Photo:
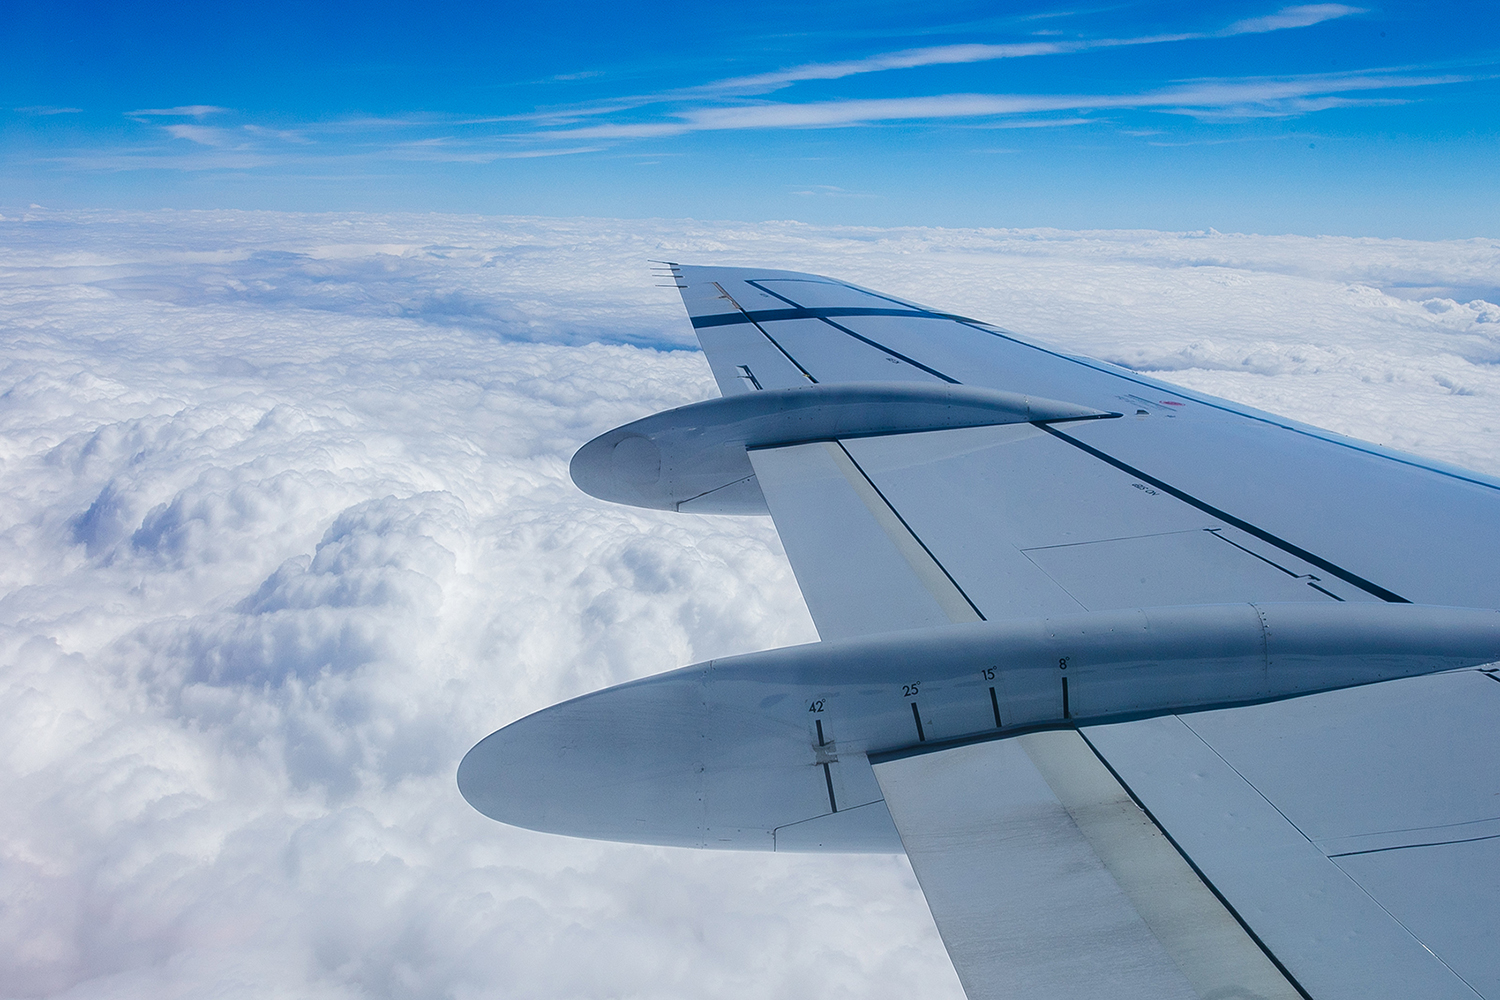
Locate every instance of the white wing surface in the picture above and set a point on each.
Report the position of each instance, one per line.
(1164, 696)
(1356, 833)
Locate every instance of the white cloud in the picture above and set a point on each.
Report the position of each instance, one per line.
(285, 526)
(530, 154)
(204, 135)
(285, 135)
(936, 55)
(1227, 98)
(1300, 16)
(830, 191)
(182, 111)
(973, 52)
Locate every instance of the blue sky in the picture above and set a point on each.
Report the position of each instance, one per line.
(1356, 119)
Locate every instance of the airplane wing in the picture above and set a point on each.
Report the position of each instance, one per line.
(1162, 696)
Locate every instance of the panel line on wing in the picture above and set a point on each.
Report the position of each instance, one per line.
(1307, 578)
(1245, 846)
(1203, 878)
(1028, 847)
(821, 315)
(944, 589)
(805, 373)
(1216, 954)
(1303, 833)
(1408, 847)
(1219, 534)
(1186, 721)
(1367, 586)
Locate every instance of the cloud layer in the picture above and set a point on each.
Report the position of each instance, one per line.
(286, 527)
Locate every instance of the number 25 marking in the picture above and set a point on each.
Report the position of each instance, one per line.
(908, 690)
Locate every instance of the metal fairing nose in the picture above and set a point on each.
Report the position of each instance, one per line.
(771, 750)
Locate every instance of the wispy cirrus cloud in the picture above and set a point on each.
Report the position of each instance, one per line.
(184, 111)
(937, 55)
(529, 154)
(1246, 98)
(205, 135)
(1300, 16)
(830, 191)
(285, 135)
(476, 140)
